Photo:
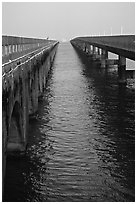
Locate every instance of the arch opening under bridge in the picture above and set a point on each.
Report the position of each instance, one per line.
(15, 141)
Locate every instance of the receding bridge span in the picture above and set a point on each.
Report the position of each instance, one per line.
(25, 66)
(97, 48)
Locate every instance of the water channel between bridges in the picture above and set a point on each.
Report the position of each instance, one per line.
(81, 141)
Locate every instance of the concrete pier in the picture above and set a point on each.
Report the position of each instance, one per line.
(122, 70)
(103, 59)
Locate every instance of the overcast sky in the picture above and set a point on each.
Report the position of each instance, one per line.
(67, 20)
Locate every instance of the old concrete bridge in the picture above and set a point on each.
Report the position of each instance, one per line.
(97, 49)
(25, 66)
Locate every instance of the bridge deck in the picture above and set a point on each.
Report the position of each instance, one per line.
(123, 45)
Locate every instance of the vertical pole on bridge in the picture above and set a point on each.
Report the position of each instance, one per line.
(122, 70)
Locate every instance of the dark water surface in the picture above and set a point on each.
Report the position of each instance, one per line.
(81, 143)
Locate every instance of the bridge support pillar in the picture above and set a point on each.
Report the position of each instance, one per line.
(98, 56)
(85, 48)
(93, 52)
(91, 49)
(104, 56)
(88, 49)
(122, 70)
(98, 51)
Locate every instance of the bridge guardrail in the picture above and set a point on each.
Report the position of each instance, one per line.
(120, 44)
(14, 47)
(10, 66)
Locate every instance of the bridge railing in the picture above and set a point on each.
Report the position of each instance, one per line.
(14, 47)
(125, 41)
(122, 45)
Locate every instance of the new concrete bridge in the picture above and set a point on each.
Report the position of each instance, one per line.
(25, 66)
(97, 49)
